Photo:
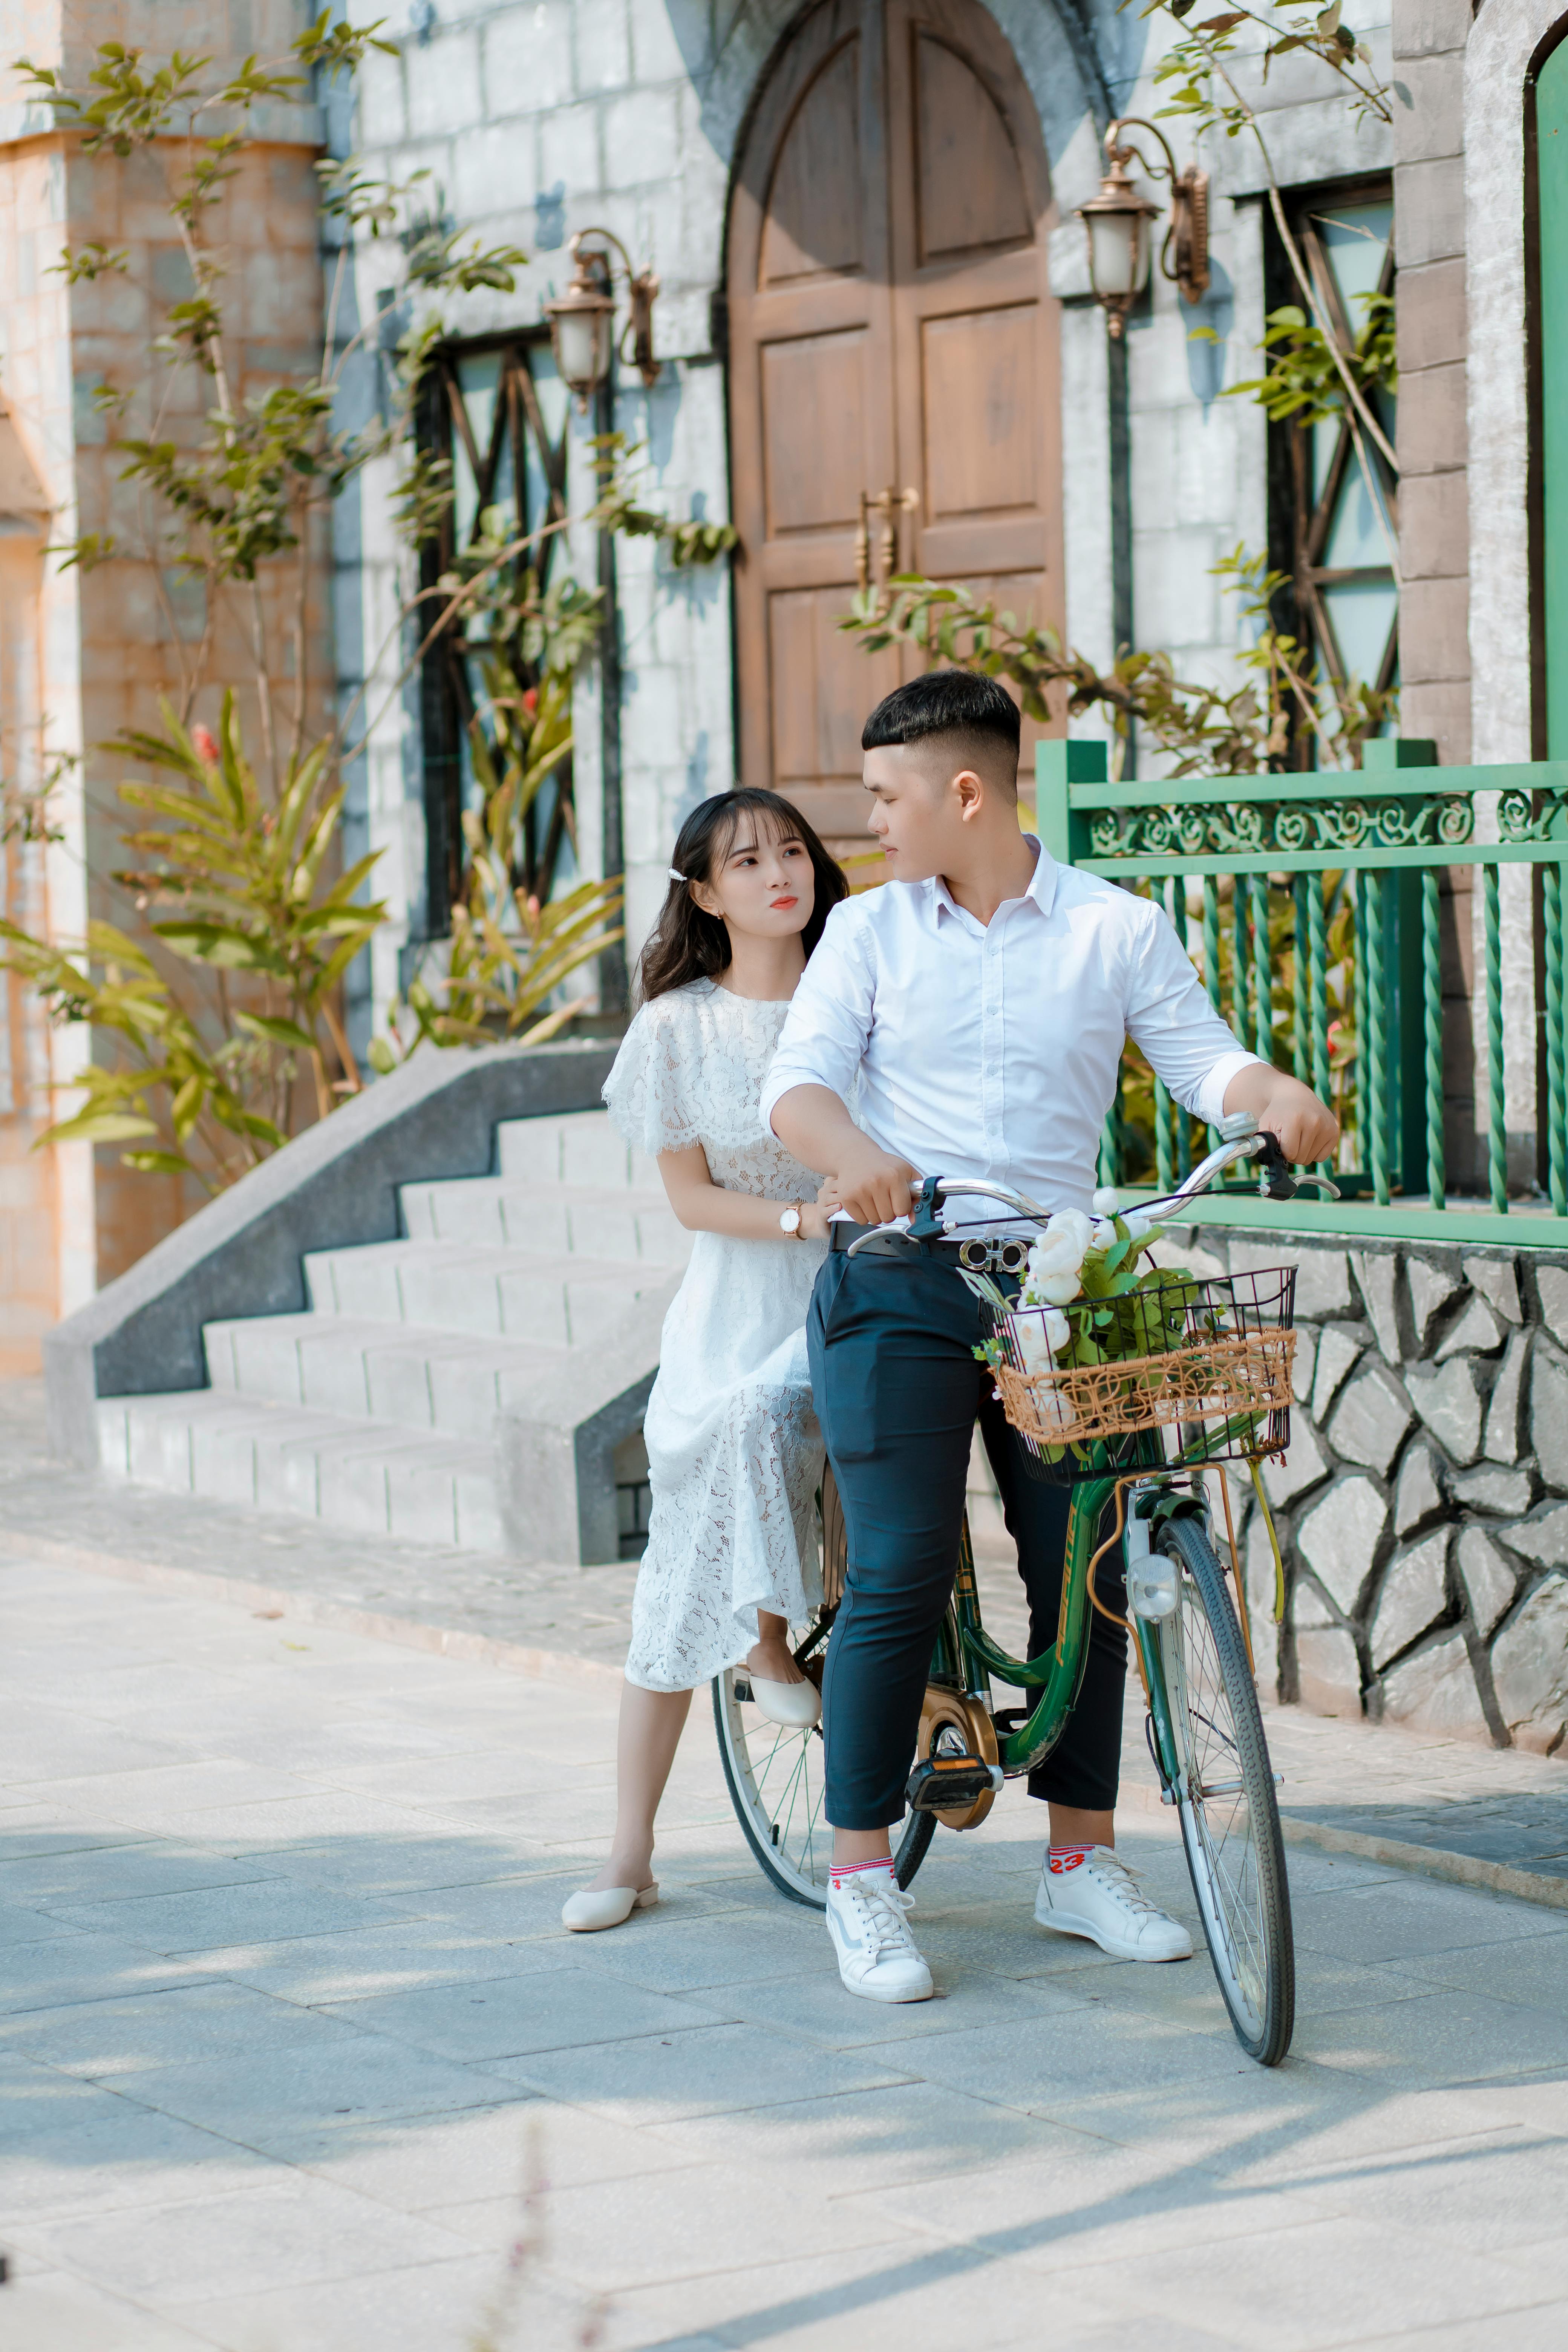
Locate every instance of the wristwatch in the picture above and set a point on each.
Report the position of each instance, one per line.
(789, 1221)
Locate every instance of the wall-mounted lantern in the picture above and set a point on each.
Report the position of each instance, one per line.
(1118, 224)
(581, 320)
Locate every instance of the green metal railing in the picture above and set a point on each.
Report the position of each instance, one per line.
(1261, 847)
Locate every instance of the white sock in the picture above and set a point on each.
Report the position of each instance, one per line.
(872, 1873)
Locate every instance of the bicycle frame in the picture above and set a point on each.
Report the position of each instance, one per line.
(966, 1653)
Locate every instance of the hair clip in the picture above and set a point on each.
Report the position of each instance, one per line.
(673, 875)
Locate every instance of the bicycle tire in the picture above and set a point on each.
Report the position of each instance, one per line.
(774, 1775)
(1230, 1821)
(775, 1779)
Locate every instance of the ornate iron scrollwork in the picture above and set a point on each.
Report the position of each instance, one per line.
(1242, 827)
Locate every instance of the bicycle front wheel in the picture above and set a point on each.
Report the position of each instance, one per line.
(1224, 1794)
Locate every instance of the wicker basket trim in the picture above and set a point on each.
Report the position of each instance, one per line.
(1218, 1380)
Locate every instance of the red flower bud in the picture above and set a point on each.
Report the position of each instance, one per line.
(204, 743)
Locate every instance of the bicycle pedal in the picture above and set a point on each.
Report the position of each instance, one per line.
(944, 1783)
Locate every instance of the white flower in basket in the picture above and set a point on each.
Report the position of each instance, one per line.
(1056, 1261)
(1038, 1333)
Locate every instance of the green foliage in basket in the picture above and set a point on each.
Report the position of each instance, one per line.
(1127, 1308)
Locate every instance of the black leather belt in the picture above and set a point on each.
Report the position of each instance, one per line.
(975, 1253)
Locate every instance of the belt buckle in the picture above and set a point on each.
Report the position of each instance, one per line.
(993, 1256)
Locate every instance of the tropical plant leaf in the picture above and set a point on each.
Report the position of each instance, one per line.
(279, 1030)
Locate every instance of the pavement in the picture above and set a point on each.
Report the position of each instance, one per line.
(1448, 1808)
(294, 2056)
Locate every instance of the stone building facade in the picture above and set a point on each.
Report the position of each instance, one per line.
(537, 119)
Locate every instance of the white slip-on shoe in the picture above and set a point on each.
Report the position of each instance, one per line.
(877, 1955)
(605, 1906)
(1099, 1897)
(798, 1705)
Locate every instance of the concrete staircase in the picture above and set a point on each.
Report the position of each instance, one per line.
(478, 1383)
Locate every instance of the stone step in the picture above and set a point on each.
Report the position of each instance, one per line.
(547, 1219)
(368, 1477)
(476, 1385)
(582, 1148)
(360, 1369)
(559, 1302)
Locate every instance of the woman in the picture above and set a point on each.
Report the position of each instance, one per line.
(734, 1453)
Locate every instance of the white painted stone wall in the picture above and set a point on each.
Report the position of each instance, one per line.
(539, 119)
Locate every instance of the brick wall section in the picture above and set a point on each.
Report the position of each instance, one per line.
(110, 642)
(1429, 233)
(1429, 38)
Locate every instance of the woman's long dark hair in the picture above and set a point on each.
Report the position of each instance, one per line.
(687, 944)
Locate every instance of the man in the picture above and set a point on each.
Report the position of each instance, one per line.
(980, 1000)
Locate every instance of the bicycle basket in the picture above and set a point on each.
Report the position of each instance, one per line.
(1196, 1372)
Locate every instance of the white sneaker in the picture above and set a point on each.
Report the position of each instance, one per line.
(1099, 1897)
(877, 1955)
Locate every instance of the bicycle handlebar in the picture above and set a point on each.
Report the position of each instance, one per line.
(1242, 1140)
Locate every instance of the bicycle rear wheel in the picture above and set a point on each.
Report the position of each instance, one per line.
(774, 1776)
(1226, 1801)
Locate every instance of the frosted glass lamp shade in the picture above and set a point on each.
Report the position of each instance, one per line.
(581, 328)
(1118, 253)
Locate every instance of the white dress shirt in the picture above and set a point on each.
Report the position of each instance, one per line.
(991, 1051)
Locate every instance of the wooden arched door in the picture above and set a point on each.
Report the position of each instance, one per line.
(891, 329)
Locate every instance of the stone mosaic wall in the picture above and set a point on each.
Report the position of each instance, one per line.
(1423, 1506)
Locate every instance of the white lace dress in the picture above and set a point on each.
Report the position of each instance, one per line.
(734, 1453)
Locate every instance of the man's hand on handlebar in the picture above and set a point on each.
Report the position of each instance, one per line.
(873, 1185)
(1306, 1129)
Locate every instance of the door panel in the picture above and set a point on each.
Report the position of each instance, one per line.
(811, 386)
(823, 686)
(980, 366)
(969, 190)
(975, 322)
(814, 430)
(890, 328)
(813, 220)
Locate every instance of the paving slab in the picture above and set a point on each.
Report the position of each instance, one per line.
(1449, 1808)
(280, 2094)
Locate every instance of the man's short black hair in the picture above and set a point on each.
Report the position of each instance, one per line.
(977, 712)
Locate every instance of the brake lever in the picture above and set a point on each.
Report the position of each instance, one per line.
(926, 1224)
(1319, 1184)
(1276, 1182)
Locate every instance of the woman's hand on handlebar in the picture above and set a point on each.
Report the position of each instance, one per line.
(1306, 1129)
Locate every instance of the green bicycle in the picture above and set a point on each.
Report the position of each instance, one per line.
(1205, 1728)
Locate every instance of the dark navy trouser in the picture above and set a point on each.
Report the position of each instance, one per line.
(898, 1391)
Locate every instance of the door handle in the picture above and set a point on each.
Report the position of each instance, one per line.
(889, 504)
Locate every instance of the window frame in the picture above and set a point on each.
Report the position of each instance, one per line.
(447, 704)
(1299, 525)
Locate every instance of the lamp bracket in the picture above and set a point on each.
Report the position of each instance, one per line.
(642, 289)
(1187, 266)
